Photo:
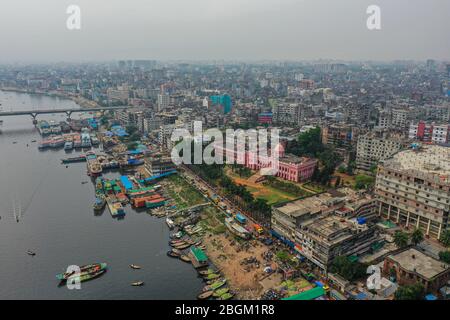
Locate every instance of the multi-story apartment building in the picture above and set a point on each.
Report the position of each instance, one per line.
(429, 132)
(342, 137)
(384, 120)
(160, 165)
(152, 124)
(129, 117)
(413, 189)
(121, 94)
(163, 102)
(287, 113)
(375, 146)
(330, 237)
(400, 118)
(319, 229)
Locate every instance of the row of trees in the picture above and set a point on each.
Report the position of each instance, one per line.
(214, 174)
(285, 186)
(402, 239)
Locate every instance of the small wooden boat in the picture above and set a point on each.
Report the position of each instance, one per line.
(92, 275)
(33, 141)
(219, 292)
(211, 276)
(31, 253)
(133, 266)
(215, 285)
(206, 272)
(176, 243)
(177, 251)
(86, 269)
(99, 203)
(137, 283)
(170, 223)
(226, 296)
(173, 254)
(185, 258)
(182, 247)
(205, 295)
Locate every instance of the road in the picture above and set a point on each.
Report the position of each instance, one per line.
(230, 205)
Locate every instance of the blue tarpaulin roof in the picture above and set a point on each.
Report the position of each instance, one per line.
(361, 296)
(430, 297)
(158, 176)
(135, 152)
(126, 182)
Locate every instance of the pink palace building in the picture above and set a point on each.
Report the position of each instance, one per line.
(290, 167)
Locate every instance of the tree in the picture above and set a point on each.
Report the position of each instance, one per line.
(350, 168)
(401, 239)
(417, 237)
(444, 256)
(410, 292)
(445, 238)
(337, 182)
(282, 256)
(350, 270)
(363, 182)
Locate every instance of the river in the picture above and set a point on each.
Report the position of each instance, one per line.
(58, 223)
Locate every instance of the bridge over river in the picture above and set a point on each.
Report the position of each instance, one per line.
(68, 111)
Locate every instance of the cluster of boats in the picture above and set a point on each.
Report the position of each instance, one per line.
(182, 244)
(215, 288)
(180, 241)
(91, 271)
(47, 128)
(69, 141)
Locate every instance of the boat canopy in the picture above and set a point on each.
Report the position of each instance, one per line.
(199, 255)
(311, 294)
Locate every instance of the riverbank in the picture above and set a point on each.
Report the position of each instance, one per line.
(241, 262)
(81, 101)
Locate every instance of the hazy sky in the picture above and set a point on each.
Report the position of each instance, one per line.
(35, 30)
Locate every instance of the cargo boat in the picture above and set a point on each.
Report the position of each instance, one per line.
(115, 207)
(74, 159)
(99, 203)
(236, 229)
(54, 142)
(87, 269)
